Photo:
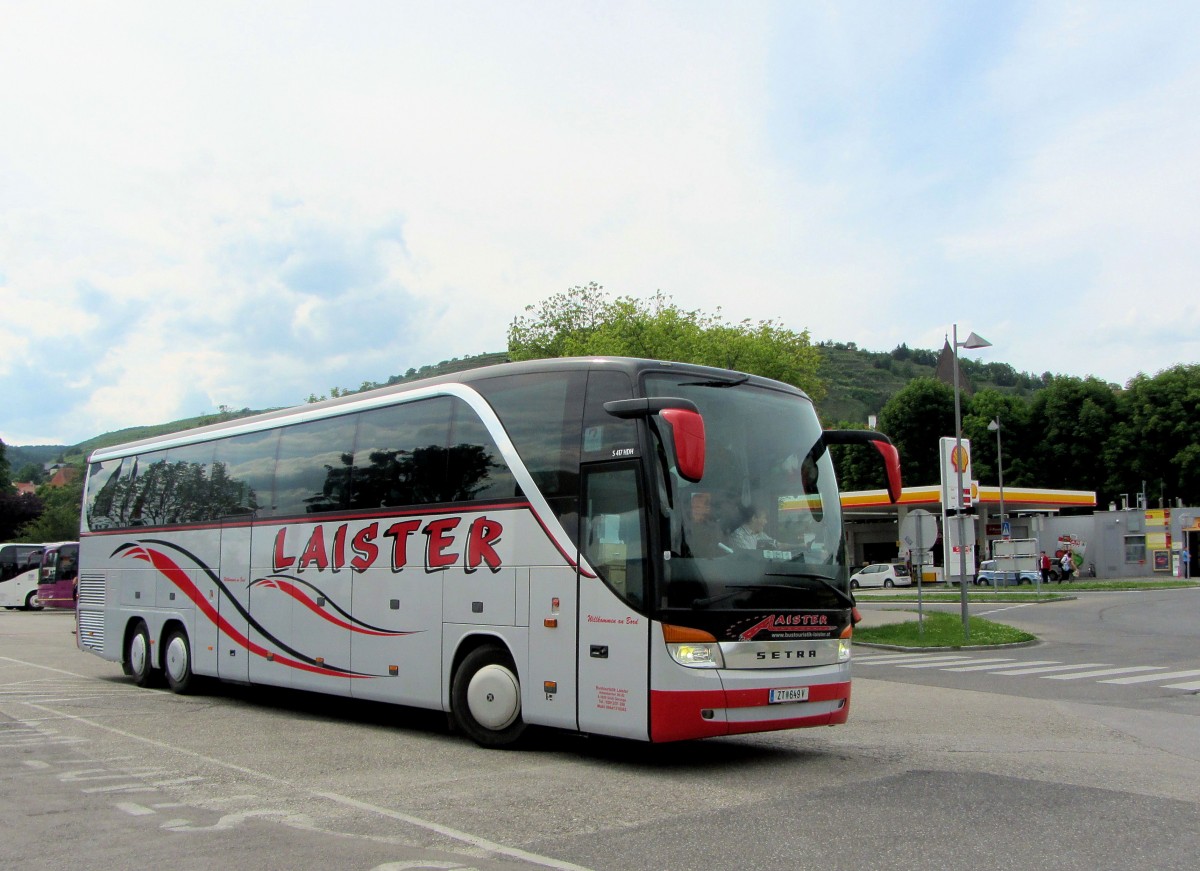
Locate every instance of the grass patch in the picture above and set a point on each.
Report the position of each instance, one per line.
(945, 597)
(1050, 592)
(941, 630)
(1121, 585)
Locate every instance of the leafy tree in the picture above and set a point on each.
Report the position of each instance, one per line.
(1071, 421)
(916, 419)
(1157, 440)
(1013, 413)
(5, 479)
(584, 321)
(31, 473)
(59, 519)
(16, 510)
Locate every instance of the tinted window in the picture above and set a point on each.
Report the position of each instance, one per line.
(242, 473)
(400, 458)
(149, 492)
(543, 416)
(313, 472)
(475, 469)
(187, 480)
(102, 508)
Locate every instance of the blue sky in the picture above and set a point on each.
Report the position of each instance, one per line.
(240, 204)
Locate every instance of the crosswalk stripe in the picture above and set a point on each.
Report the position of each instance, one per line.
(1143, 678)
(1195, 685)
(1104, 672)
(1049, 668)
(980, 666)
(889, 659)
(941, 663)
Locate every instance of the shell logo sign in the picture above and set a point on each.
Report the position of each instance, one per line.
(960, 460)
(956, 460)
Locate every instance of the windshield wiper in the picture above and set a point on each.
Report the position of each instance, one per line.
(733, 383)
(838, 591)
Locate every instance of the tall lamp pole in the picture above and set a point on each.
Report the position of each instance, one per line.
(994, 426)
(972, 341)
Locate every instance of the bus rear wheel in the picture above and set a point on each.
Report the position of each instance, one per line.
(137, 656)
(485, 697)
(31, 602)
(177, 662)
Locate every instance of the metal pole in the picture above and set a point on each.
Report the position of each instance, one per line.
(1000, 473)
(958, 464)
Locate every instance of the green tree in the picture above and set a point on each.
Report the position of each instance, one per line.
(5, 471)
(31, 473)
(59, 520)
(1156, 439)
(1013, 413)
(584, 321)
(1070, 423)
(916, 419)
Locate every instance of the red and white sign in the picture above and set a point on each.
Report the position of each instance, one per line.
(956, 461)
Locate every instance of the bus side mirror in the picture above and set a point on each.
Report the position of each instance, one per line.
(687, 429)
(683, 419)
(883, 444)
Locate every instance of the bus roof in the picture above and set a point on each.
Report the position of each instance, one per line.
(329, 407)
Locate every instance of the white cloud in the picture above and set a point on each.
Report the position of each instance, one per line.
(243, 204)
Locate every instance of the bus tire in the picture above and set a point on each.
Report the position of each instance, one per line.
(177, 662)
(31, 602)
(137, 656)
(485, 697)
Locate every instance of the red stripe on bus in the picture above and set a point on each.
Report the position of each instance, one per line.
(177, 576)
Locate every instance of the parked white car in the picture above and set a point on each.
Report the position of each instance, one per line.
(21, 592)
(881, 575)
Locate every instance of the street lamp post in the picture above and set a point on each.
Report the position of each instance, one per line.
(994, 426)
(972, 341)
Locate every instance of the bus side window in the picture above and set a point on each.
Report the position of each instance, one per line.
(243, 472)
(614, 538)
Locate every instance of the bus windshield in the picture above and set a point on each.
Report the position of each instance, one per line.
(762, 529)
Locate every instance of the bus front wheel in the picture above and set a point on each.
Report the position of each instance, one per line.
(485, 697)
(31, 602)
(177, 662)
(137, 656)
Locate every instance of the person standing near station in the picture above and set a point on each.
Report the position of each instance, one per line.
(1067, 565)
(1044, 565)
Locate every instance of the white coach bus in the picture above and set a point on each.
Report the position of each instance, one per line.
(620, 547)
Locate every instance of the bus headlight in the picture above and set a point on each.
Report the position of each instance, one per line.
(694, 648)
(843, 650)
(695, 655)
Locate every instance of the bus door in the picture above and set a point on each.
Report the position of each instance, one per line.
(613, 646)
(233, 659)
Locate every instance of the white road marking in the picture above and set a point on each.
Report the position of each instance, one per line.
(1105, 672)
(1051, 668)
(1144, 678)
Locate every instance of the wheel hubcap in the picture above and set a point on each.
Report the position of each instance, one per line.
(177, 664)
(494, 697)
(137, 653)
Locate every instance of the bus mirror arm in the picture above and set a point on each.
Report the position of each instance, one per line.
(883, 444)
(683, 419)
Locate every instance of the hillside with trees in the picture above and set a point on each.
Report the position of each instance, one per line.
(1057, 431)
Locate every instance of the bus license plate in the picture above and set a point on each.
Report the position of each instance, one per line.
(790, 694)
